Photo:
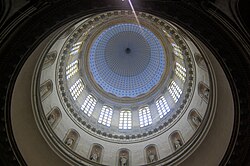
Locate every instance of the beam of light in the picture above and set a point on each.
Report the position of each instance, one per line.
(133, 10)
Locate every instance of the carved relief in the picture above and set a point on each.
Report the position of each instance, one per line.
(200, 61)
(194, 119)
(123, 158)
(176, 140)
(72, 138)
(49, 59)
(54, 117)
(46, 89)
(203, 91)
(151, 154)
(96, 153)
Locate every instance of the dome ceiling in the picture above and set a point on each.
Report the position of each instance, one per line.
(120, 82)
(72, 119)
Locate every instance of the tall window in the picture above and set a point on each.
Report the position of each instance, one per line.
(145, 117)
(89, 105)
(76, 89)
(162, 106)
(177, 51)
(180, 71)
(75, 49)
(105, 116)
(71, 69)
(125, 120)
(175, 91)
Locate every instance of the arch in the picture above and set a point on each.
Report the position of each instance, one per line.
(200, 61)
(105, 116)
(96, 153)
(176, 140)
(124, 158)
(151, 153)
(125, 120)
(49, 59)
(71, 69)
(54, 117)
(180, 71)
(76, 89)
(162, 106)
(71, 138)
(194, 118)
(175, 91)
(145, 118)
(89, 105)
(203, 91)
(46, 89)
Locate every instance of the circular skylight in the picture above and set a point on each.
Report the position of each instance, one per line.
(127, 60)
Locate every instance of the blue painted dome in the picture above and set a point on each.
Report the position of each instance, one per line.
(127, 60)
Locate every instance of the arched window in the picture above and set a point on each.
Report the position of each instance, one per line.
(162, 106)
(89, 105)
(76, 89)
(71, 69)
(145, 117)
(180, 71)
(125, 121)
(175, 91)
(75, 49)
(177, 50)
(105, 116)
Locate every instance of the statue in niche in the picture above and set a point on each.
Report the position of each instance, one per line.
(123, 160)
(203, 91)
(95, 155)
(69, 142)
(177, 143)
(54, 117)
(196, 120)
(151, 153)
(200, 61)
(49, 59)
(51, 119)
(45, 89)
(206, 93)
(151, 156)
(175, 140)
(72, 138)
